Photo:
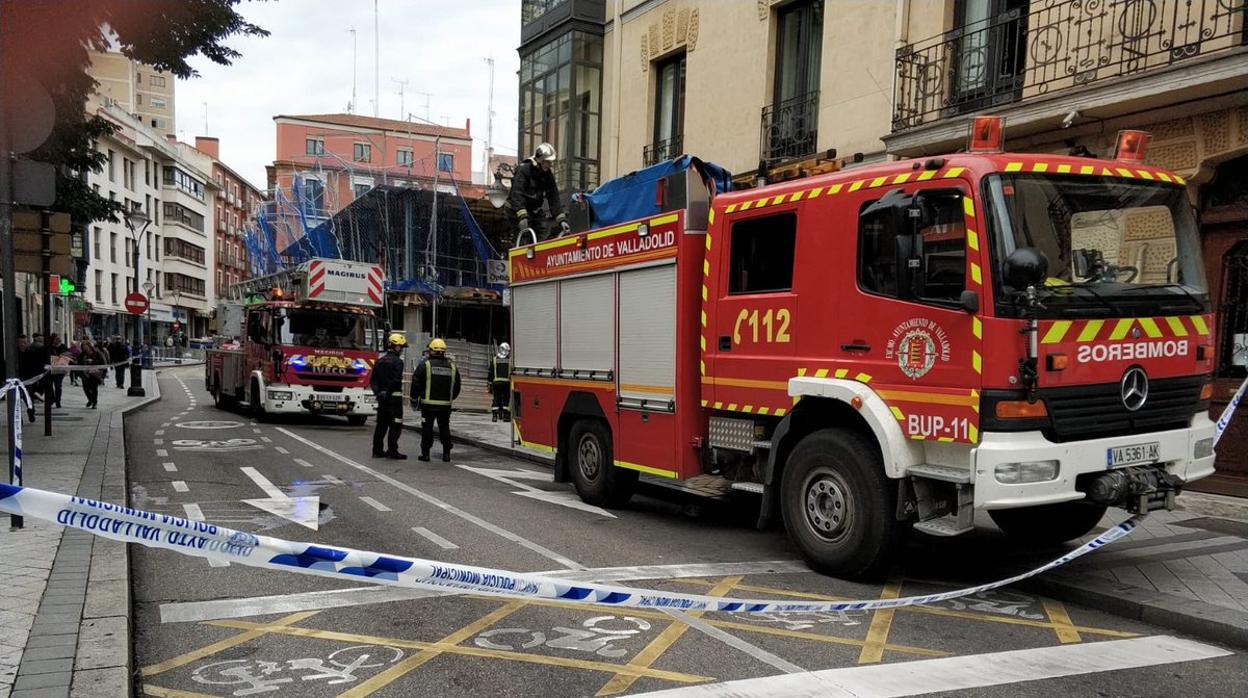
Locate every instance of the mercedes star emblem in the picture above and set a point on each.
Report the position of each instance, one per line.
(1134, 388)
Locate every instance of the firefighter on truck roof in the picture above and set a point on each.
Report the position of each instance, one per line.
(387, 384)
(435, 385)
(533, 184)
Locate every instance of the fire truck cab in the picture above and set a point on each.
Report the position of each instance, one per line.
(301, 341)
(879, 348)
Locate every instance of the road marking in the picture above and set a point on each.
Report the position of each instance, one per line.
(194, 513)
(255, 431)
(435, 538)
(180, 486)
(158, 442)
(304, 511)
(281, 450)
(303, 462)
(162, 453)
(565, 499)
(227, 643)
(193, 611)
(444, 506)
(329, 478)
(881, 623)
(160, 432)
(950, 674)
(266, 439)
(1065, 629)
(170, 467)
(375, 504)
(164, 424)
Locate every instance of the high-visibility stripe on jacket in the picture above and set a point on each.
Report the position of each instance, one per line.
(440, 379)
(500, 371)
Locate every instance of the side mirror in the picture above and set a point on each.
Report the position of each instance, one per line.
(1026, 266)
(969, 300)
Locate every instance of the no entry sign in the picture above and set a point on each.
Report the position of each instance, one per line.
(136, 303)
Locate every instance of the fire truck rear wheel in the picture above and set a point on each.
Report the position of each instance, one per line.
(598, 481)
(1049, 524)
(838, 505)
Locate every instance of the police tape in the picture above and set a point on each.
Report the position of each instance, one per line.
(1225, 419)
(207, 540)
(17, 387)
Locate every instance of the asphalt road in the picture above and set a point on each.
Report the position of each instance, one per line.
(238, 631)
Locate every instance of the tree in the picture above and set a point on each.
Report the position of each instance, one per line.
(50, 40)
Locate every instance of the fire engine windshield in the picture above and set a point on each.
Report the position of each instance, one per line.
(323, 329)
(1115, 248)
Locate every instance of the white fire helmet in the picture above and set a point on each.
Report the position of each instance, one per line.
(544, 151)
(504, 350)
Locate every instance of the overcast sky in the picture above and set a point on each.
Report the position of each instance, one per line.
(304, 67)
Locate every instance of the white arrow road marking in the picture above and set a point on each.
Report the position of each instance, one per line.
(563, 499)
(304, 511)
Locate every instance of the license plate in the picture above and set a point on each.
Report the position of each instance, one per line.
(1135, 453)
(329, 398)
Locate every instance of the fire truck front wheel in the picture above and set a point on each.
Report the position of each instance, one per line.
(598, 481)
(1049, 524)
(838, 505)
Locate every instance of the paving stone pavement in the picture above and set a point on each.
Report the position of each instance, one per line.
(64, 612)
(1192, 561)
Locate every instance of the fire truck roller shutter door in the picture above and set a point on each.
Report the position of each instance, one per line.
(587, 323)
(899, 452)
(533, 317)
(648, 333)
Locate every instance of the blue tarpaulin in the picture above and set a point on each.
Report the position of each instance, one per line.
(631, 197)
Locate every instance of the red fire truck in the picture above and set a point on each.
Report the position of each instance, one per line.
(881, 348)
(300, 341)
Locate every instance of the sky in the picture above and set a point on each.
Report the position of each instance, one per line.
(305, 67)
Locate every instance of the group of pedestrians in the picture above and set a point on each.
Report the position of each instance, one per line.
(37, 356)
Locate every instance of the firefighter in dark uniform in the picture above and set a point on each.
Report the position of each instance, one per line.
(387, 384)
(435, 385)
(533, 184)
(500, 383)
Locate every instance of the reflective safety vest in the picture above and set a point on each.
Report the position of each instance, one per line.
(439, 382)
(501, 370)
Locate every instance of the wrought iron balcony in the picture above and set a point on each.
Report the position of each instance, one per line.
(1056, 45)
(664, 150)
(790, 128)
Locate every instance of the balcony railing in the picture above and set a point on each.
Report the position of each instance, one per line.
(661, 151)
(790, 128)
(1055, 45)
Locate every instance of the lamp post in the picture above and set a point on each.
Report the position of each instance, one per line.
(137, 221)
(148, 287)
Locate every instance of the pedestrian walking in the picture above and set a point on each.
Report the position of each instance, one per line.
(59, 356)
(435, 385)
(118, 355)
(500, 383)
(387, 385)
(94, 360)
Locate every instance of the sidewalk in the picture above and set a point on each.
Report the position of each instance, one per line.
(1185, 569)
(65, 595)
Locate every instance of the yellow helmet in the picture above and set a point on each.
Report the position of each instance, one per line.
(437, 346)
(396, 339)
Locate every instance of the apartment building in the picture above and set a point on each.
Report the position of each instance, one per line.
(236, 204)
(188, 197)
(136, 88)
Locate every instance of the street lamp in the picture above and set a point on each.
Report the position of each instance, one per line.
(148, 286)
(496, 194)
(137, 221)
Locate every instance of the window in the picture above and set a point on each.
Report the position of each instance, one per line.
(446, 162)
(129, 252)
(363, 152)
(177, 213)
(99, 286)
(139, 99)
(158, 102)
(157, 246)
(405, 157)
(95, 241)
(114, 289)
(129, 285)
(184, 250)
(761, 256)
(790, 123)
(184, 284)
(988, 52)
(156, 81)
(175, 177)
(361, 189)
(112, 166)
(112, 247)
(669, 102)
(314, 146)
(313, 197)
(560, 103)
(937, 254)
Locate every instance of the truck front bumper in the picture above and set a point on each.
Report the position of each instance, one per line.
(295, 399)
(1180, 453)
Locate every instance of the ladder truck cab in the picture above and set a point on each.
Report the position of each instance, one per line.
(881, 348)
(301, 341)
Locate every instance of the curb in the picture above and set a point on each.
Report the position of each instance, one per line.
(1189, 616)
(492, 448)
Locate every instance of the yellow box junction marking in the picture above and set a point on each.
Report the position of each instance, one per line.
(1066, 632)
(254, 633)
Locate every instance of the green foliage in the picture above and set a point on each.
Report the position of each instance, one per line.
(50, 40)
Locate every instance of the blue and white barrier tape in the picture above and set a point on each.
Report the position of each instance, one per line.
(202, 539)
(1225, 420)
(15, 385)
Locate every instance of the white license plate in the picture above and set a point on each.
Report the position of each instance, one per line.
(329, 398)
(1135, 453)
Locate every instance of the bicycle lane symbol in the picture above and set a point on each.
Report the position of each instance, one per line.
(260, 676)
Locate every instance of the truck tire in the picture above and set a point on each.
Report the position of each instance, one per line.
(598, 481)
(255, 400)
(838, 505)
(1049, 524)
(357, 420)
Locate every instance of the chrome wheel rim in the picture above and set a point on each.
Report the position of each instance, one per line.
(589, 457)
(827, 509)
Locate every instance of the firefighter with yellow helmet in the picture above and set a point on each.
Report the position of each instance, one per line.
(435, 385)
(387, 385)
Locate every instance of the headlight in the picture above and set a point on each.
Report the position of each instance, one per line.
(281, 395)
(1203, 449)
(368, 399)
(1030, 471)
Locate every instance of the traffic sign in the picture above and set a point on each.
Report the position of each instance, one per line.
(136, 303)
